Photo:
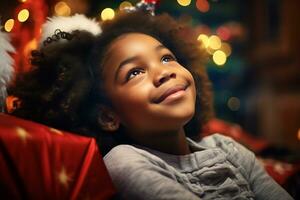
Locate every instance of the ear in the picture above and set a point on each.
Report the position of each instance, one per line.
(108, 119)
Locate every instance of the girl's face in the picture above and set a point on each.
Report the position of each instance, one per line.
(149, 90)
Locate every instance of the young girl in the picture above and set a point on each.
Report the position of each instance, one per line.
(140, 87)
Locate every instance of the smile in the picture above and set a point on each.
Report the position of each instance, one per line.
(172, 93)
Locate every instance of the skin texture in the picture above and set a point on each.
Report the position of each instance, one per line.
(148, 87)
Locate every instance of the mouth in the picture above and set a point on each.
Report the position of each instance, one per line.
(177, 89)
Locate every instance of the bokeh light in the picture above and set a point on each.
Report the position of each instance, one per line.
(9, 24)
(219, 57)
(12, 103)
(62, 9)
(31, 45)
(226, 48)
(125, 4)
(107, 14)
(224, 33)
(202, 5)
(23, 15)
(210, 50)
(214, 42)
(22, 1)
(184, 2)
(203, 39)
(234, 103)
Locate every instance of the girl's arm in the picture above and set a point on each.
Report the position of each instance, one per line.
(136, 177)
(262, 185)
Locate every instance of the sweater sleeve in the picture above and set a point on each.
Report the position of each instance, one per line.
(138, 177)
(262, 185)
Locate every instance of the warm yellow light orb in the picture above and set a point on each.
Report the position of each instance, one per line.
(184, 2)
(9, 24)
(210, 50)
(226, 48)
(125, 4)
(204, 39)
(23, 15)
(107, 14)
(219, 57)
(62, 9)
(214, 42)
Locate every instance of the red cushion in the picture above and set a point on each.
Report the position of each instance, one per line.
(39, 162)
(279, 170)
(236, 132)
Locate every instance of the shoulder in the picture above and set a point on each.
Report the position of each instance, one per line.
(120, 150)
(123, 161)
(120, 157)
(218, 140)
(225, 143)
(125, 152)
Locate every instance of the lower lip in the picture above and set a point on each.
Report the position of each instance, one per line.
(175, 96)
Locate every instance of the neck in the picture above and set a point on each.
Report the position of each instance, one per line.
(172, 142)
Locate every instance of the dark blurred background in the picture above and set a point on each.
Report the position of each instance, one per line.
(253, 45)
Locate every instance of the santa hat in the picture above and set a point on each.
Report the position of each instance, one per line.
(68, 24)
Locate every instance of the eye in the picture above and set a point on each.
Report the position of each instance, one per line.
(133, 73)
(168, 58)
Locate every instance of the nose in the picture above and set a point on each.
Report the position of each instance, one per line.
(163, 77)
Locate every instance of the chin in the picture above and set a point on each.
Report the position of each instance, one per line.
(182, 115)
(184, 110)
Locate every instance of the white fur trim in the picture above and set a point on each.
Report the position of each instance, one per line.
(69, 24)
(6, 61)
(6, 66)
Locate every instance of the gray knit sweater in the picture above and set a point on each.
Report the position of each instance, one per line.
(219, 168)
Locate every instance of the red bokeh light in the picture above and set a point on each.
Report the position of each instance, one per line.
(202, 5)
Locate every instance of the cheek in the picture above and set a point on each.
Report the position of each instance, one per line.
(190, 79)
(131, 104)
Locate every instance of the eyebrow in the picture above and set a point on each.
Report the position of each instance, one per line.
(159, 47)
(134, 58)
(124, 62)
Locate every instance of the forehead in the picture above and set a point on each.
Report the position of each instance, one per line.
(128, 45)
(139, 41)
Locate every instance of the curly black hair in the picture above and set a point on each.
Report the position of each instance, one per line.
(63, 89)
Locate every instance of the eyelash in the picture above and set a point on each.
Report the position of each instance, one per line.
(168, 56)
(139, 70)
(133, 71)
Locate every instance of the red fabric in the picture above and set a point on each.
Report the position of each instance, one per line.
(38, 162)
(280, 171)
(236, 132)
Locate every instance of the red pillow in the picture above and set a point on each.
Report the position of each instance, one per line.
(39, 162)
